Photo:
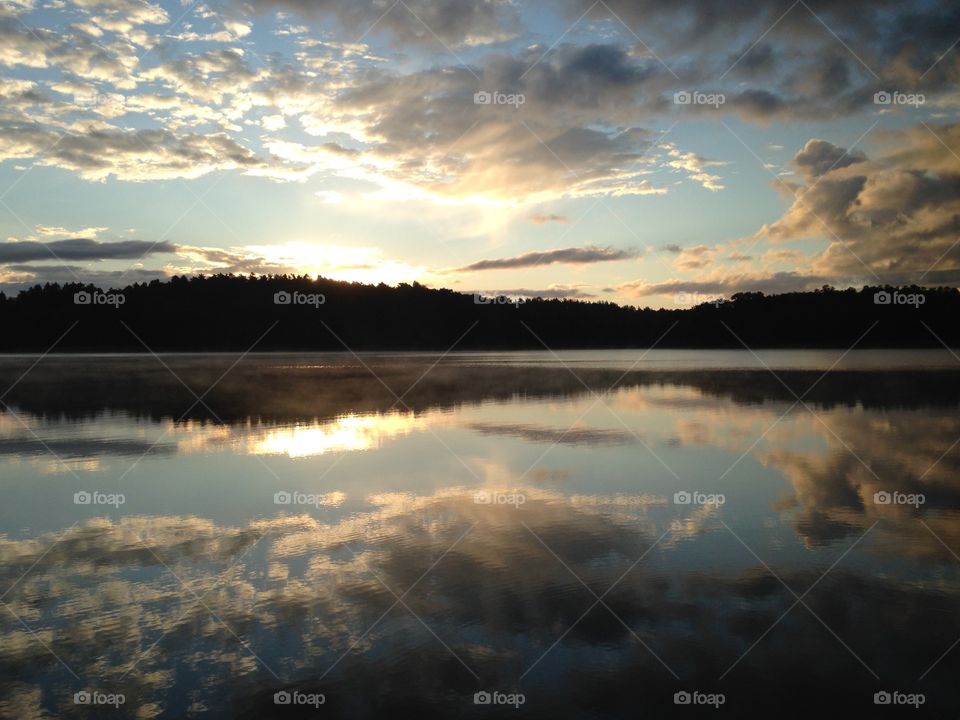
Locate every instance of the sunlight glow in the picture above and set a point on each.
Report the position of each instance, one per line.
(349, 433)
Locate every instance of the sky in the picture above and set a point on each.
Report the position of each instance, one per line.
(646, 152)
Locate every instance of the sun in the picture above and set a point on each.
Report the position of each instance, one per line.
(339, 262)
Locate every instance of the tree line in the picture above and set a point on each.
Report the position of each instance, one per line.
(230, 312)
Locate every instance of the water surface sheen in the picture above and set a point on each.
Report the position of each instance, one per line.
(588, 532)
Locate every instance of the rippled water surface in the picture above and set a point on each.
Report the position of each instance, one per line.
(589, 534)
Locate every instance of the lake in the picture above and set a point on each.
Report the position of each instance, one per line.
(585, 534)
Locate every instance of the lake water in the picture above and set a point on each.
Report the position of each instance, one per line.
(589, 535)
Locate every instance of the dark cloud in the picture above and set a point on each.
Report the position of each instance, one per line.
(764, 104)
(826, 77)
(562, 141)
(555, 435)
(456, 22)
(588, 74)
(753, 60)
(80, 447)
(819, 156)
(80, 249)
(26, 276)
(573, 256)
(899, 213)
(779, 282)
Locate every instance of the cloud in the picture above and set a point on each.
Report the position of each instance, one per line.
(131, 155)
(122, 16)
(12, 8)
(55, 231)
(780, 282)
(80, 249)
(454, 22)
(694, 258)
(819, 157)
(772, 283)
(207, 76)
(109, 61)
(573, 136)
(544, 218)
(798, 69)
(695, 166)
(572, 256)
(594, 437)
(554, 291)
(14, 278)
(896, 214)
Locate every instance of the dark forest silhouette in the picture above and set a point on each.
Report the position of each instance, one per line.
(227, 312)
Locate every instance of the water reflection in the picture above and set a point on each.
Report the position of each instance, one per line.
(203, 596)
(349, 433)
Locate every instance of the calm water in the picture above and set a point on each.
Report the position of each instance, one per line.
(392, 536)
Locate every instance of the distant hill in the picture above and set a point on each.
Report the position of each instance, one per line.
(226, 312)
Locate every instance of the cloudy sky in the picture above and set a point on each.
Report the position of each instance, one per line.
(625, 150)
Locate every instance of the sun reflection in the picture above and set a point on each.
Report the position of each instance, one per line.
(348, 433)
